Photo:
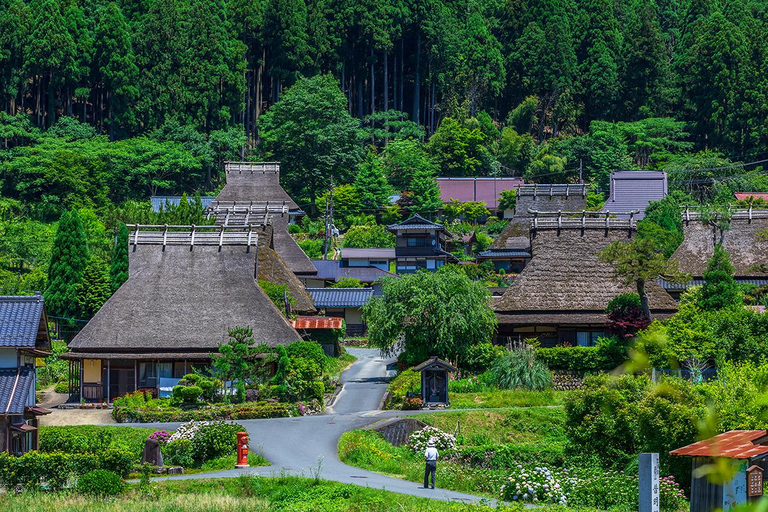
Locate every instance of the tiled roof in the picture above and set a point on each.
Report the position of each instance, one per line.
(744, 196)
(317, 322)
(20, 320)
(667, 285)
(340, 297)
(633, 190)
(331, 270)
(416, 222)
(503, 253)
(158, 201)
(15, 387)
(734, 444)
(485, 190)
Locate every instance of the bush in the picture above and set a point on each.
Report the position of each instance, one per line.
(475, 384)
(317, 391)
(444, 442)
(607, 355)
(93, 439)
(407, 381)
(520, 369)
(100, 482)
(214, 440)
(479, 357)
(308, 350)
(178, 453)
(61, 387)
(245, 411)
(412, 404)
(118, 461)
(300, 377)
(32, 468)
(188, 395)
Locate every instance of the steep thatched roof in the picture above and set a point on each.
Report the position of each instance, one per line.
(749, 252)
(288, 249)
(565, 279)
(182, 298)
(254, 181)
(513, 234)
(272, 268)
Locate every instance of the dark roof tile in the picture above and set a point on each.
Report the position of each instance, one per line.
(20, 320)
(340, 297)
(16, 384)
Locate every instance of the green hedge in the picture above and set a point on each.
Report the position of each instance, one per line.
(94, 439)
(607, 355)
(247, 411)
(55, 469)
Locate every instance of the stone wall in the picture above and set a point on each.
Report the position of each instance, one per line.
(397, 430)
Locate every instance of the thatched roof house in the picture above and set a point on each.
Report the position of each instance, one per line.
(186, 288)
(255, 181)
(271, 267)
(561, 295)
(748, 250)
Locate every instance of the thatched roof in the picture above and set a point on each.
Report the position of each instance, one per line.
(185, 299)
(288, 249)
(514, 235)
(272, 268)
(749, 253)
(565, 279)
(254, 181)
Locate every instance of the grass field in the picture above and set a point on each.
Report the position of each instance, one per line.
(505, 398)
(252, 494)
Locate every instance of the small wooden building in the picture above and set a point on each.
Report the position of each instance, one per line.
(434, 380)
(748, 449)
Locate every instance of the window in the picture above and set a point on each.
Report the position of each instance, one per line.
(588, 339)
(150, 373)
(416, 242)
(377, 262)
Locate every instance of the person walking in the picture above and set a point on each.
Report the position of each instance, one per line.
(430, 459)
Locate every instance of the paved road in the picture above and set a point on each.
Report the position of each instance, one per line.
(295, 445)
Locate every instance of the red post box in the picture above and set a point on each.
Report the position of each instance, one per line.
(242, 450)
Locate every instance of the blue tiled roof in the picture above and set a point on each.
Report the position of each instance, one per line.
(416, 222)
(340, 297)
(158, 201)
(331, 270)
(20, 320)
(504, 253)
(14, 393)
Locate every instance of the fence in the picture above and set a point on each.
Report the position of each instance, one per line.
(694, 376)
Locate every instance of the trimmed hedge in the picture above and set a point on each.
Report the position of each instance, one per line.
(246, 411)
(607, 355)
(94, 439)
(33, 468)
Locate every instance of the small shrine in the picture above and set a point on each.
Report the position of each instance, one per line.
(749, 451)
(434, 380)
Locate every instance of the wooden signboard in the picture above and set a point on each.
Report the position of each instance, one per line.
(754, 481)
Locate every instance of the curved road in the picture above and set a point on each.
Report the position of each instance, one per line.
(296, 445)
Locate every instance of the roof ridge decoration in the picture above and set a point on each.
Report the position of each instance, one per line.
(581, 220)
(252, 167)
(191, 235)
(737, 213)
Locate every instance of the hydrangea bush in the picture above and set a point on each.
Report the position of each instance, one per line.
(187, 430)
(538, 485)
(443, 441)
(161, 436)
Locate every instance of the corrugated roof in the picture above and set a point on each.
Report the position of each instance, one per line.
(340, 297)
(484, 190)
(21, 320)
(317, 322)
(331, 270)
(734, 444)
(368, 253)
(503, 253)
(633, 190)
(697, 282)
(158, 201)
(15, 387)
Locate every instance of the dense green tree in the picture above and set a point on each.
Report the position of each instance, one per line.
(94, 288)
(424, 195)
(456, 149)
(720, 289)
(69, 257)
(439, 313)
(118, 267)
(371, 185)
(403, 159)
(368, 236)
(311, 132)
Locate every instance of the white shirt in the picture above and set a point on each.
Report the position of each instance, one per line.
(431, 453)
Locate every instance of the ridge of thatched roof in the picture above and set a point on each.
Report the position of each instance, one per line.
(181, 298)
(272, 268)
(284, 245)
(254, 181)
(566, 276)
(517, 229)
(748, 251)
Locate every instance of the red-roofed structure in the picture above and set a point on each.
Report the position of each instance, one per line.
(317, 322)
(734, 444)
(745, 196)
(485, 190)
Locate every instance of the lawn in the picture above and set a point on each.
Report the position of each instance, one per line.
(489, 442)
(253, 494)
(505, 398)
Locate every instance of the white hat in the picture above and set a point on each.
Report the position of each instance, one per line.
(431, 444)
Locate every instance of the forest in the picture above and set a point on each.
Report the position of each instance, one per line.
(104, 104)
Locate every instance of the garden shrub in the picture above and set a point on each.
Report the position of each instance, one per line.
(188, 395)
(444, 442)
(93, 439)
(178, 453)
(197, 442)
(480, 356)
(520, 369)
(407, 381)
(412, 404)
(100, 482)
(166, 413)
(308, 350)
(32, 468)
(538, 485)
(61, 387)
(117, 460)
(606, 355)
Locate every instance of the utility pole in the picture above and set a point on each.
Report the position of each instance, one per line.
(330, 213)
(325, 243)
(581, 181)
(328, 221)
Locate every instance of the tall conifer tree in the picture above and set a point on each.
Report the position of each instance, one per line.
(69, 257)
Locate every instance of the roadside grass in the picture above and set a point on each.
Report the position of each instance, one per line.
(252, 493)
(334, 366)
(506, 398)
(218, 464)
(488, 444)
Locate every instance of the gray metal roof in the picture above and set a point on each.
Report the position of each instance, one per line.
(20, 320)
(340, 297)
(503, 253)
(158, 201)
(15, 387)
(331, 270)
(633, 190)
(368, 253)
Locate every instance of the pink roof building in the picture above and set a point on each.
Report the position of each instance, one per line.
(485, 190)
